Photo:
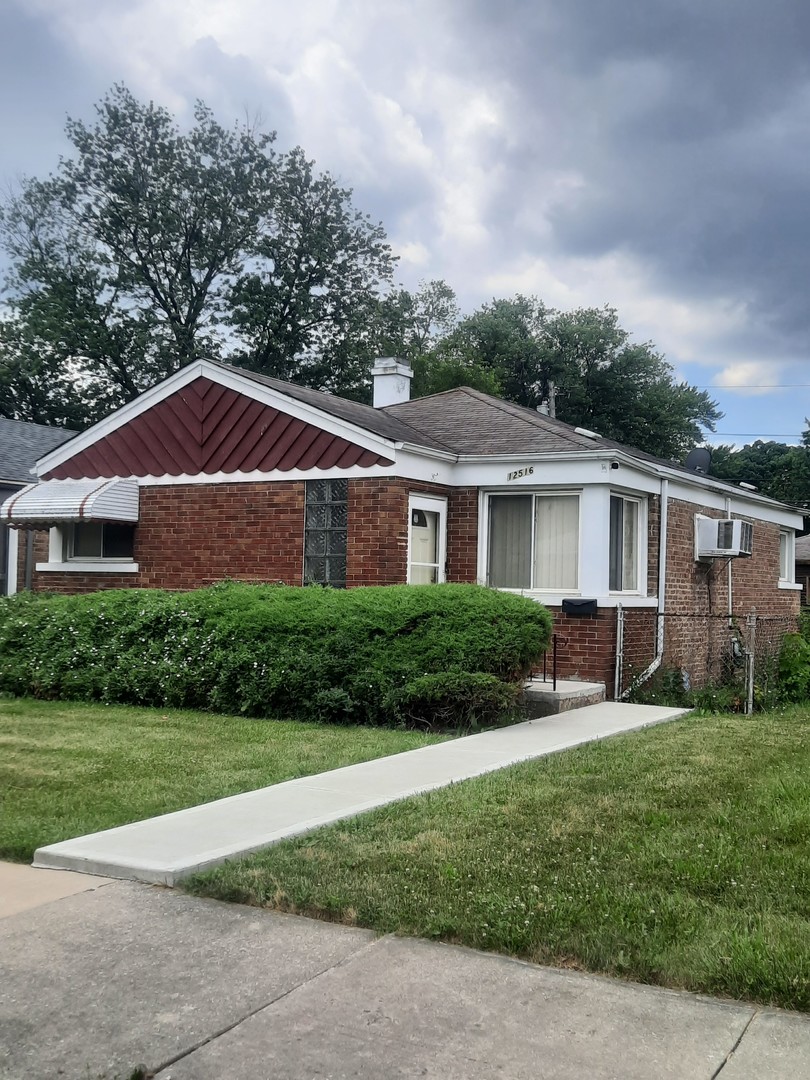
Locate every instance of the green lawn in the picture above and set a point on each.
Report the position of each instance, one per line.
(68, 769)
(679, 855)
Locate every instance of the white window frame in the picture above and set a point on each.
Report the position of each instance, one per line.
(59, 543)
(484, 518)
(433, 504)
(641, 544)
(787, 537)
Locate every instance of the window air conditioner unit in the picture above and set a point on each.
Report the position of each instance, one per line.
(726, 538)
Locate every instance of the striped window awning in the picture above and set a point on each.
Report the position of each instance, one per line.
(53, 502)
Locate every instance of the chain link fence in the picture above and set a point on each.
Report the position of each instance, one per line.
(738, 653)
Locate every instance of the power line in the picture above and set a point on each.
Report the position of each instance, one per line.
(753, 386)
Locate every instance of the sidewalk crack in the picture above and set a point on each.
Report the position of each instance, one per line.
(735, 1047)
(158, 1069)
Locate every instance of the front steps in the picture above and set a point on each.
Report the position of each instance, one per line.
(540, 699)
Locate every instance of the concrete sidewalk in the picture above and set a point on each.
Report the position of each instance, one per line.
(165, 849)
(99, 982)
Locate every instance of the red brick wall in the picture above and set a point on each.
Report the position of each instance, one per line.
(698, 638)
(586, 646)
(377, 544)
(190, 535)
(378, 530)
(462, 535)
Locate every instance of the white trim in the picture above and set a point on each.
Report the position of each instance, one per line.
(432, 504)
(612, 600)
(100, 566)
(790, 585)
(790, 557)
(642, 538)
(232, 380)
(12, 553)
(547, 491)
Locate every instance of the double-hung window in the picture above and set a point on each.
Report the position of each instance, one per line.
(624, 544)
(533, 541)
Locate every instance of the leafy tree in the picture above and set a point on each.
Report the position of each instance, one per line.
(775, 469)
(150, 247)
(623, 390)
(500, 344)
(35, 384)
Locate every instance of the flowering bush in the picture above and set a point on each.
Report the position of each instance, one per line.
(350, 656)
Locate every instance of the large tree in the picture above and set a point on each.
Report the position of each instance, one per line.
(602, 380)
(150, 246)
(776, 469)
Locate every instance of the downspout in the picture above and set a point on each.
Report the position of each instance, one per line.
(29, 558)
(728, 571)
(662, 579)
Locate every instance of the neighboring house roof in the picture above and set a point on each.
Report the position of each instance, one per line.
(21, 444)
(803, 549)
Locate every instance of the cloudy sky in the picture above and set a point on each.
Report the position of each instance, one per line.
(653, 155)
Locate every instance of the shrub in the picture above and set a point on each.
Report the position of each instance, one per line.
(794, 668)
(465, 699)
(352, 656)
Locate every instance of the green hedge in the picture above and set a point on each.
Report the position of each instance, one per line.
(439, 655)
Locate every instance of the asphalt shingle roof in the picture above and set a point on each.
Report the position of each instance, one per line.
(475, 423)
(22, 444)
(378, 421)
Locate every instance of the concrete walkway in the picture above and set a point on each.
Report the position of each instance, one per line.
(102, 981)
(165, 849)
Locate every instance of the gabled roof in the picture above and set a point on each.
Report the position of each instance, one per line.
(379, 421)
(21, 444)
(803, 549)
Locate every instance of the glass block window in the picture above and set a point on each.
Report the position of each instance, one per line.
(325, 530)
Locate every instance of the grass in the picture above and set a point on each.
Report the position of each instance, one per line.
(679, 856)
(67, 769)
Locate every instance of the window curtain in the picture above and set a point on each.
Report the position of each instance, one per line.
(623, 544)
(510, 541)
(556, 542)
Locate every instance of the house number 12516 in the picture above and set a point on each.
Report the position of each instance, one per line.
(518, 473)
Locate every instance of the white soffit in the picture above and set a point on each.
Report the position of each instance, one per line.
(55, 501)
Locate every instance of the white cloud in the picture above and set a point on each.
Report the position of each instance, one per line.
(754, 378)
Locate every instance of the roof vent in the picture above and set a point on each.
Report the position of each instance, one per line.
(587, 433)
(748, 487)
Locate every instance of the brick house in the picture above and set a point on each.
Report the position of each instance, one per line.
(21, 444)
(221, 473)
